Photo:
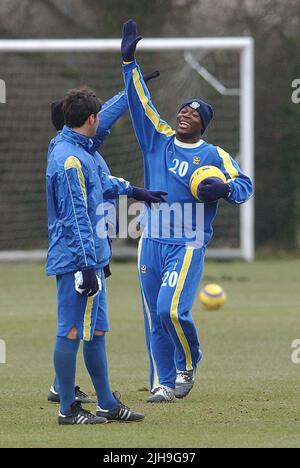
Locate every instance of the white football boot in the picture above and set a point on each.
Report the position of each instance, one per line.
(161, 394)
(184, 383)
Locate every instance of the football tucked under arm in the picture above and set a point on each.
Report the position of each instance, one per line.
(208, 184)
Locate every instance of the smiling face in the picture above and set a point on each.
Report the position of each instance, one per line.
(189, 125)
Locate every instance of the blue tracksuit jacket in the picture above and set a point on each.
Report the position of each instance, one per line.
(76, 185)
(168, 166)
(172, 248)
(111, 111)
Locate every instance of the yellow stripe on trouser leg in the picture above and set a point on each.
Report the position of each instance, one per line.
(88, 319)
(174, 307)
(155, 377)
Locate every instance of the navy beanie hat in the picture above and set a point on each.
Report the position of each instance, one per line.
(203, 108)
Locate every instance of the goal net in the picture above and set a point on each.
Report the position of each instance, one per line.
(38, 72)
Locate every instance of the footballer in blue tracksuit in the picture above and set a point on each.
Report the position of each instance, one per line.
(78, 246)
(172, 246)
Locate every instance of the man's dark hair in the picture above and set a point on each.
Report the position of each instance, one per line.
(78, 105)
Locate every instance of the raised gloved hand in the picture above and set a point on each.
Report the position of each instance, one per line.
(129, 40)
(148, 196)
(90, 282)
(212, 189)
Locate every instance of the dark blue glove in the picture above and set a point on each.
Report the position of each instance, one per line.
(148, 196)
(90, 282)
(129, 40)
(151, 76)
(211, 189)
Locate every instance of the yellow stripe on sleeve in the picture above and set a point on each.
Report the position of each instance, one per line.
(73, 163)
(174, 307)
(160, 126)
(229, 167)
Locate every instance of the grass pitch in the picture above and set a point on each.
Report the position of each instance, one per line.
(247, 390)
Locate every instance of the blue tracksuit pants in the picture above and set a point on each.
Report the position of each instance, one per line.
(169, 278)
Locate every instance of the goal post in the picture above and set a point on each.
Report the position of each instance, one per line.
(218, 69)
